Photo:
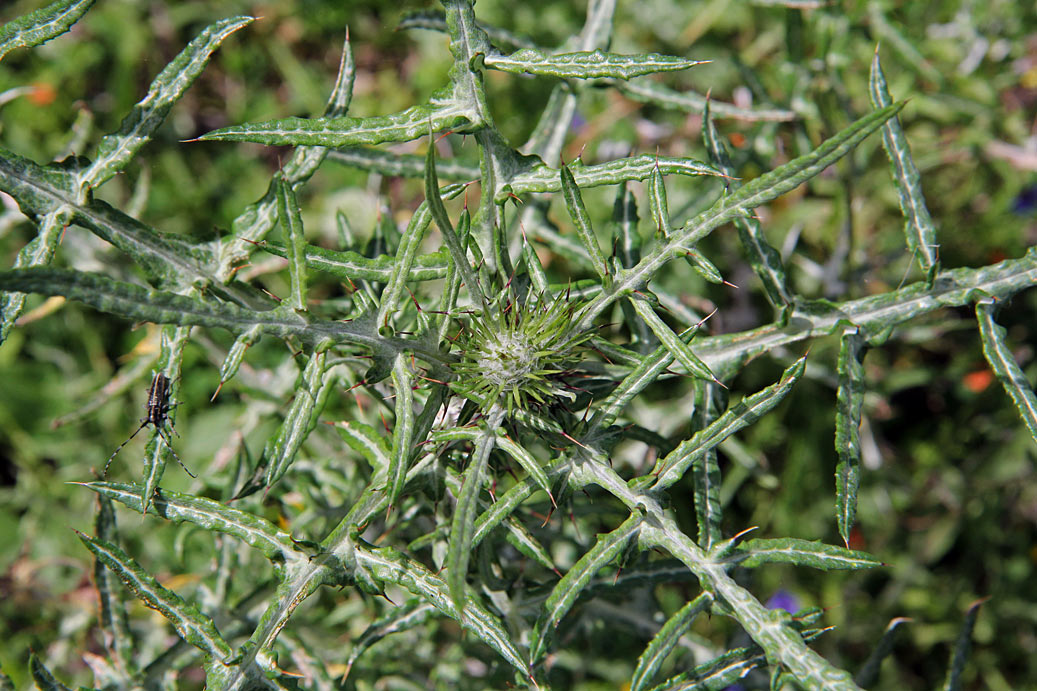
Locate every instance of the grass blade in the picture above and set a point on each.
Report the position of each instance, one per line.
(869, 671)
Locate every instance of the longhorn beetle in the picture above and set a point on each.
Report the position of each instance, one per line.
(156, 413)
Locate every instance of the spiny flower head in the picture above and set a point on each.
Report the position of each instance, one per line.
(517, 352)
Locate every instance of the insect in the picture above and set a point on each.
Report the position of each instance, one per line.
(156, 413)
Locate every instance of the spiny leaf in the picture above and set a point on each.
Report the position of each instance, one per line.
(673, 466)
(650, 661)
(1008, 372)
(578, 213)
(190, 624)
(764, 259)
(295, 243)
(273, 543)
(404, 126)
(918, 224)
(563, 596)
(116, 150)
(462, 527)
(42, 25)
(300, 419)
(847, 431)
(587, 64)
(817, 555)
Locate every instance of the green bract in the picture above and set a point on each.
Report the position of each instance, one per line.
(520, 353)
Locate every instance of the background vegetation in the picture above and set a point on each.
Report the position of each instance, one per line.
(947, 498)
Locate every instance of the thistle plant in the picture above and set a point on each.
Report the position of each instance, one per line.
(489, 431)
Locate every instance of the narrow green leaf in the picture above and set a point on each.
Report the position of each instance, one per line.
(273, 543)
(299, 420)
(403, 429)
(544, 178)
(457, 250)
(672, 467)
(462, 527)
(403, 126)
(816, 555)
(521, 539)
(295, 243)
(526, 460)
(256, 220)
(400, 165)
(190, 624)
(409, 615)
(407, 253)
(705, 475)
(44, 680)
(760, 191)
(140, 304)
(578, 213)
(647, 91)
(112, 619)
(869, 671)
(626, 236)
(956, 665)
(41, 190)
(605, 550)
(1008, 372)
(508, 502)
(453, 279)
(42, 25)
(596, 64)
(764, 259)
(648, 369)
(38, 252)
(390, 566)
(367, 441)
(236, 354)
(351, 266)
(651, 660)
(116, 150)
(918, 224)
(719, 673)
(678, 348)
(847, 430)
(657, 203)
